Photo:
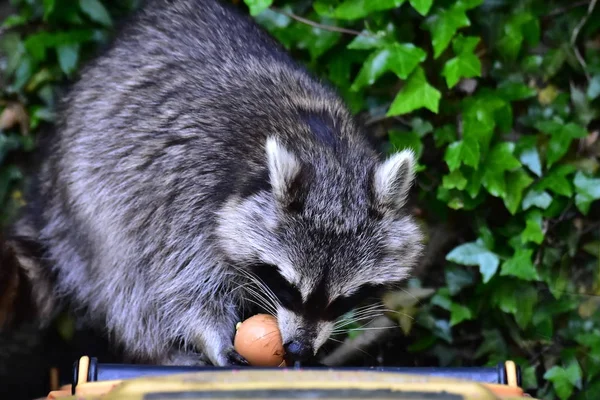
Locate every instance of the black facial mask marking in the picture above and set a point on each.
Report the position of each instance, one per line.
(343, 304)
(316, 307)
(288, 295)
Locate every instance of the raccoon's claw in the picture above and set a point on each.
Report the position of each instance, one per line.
(235, 359)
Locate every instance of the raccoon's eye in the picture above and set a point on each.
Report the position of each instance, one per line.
(344, 304)
(288, 295)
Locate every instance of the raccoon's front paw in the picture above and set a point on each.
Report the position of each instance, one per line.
(235, 359)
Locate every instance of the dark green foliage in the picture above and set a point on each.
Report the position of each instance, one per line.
(499, 99)
(42, 44)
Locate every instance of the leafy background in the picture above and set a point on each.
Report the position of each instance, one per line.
(498, 98)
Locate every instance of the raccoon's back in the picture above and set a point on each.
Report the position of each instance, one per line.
(160, 130)
(186, 94)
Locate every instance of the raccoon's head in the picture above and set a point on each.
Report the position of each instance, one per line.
(328, 232)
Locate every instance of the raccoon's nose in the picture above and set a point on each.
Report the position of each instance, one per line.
(297, 351)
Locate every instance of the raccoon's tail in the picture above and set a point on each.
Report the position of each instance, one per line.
(26, 289)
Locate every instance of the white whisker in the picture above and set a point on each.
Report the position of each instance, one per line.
(355, 320)
(364, 329)
(253, 278)
(264, 302)
(260, 305)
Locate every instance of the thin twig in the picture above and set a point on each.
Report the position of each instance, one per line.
(576, 33)
(375, 120)
(562, 10)
(590, 228)
(561, 217)
(351, 347)
(318, 25)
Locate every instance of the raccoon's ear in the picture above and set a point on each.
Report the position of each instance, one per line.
(285, 174)
(392, 180)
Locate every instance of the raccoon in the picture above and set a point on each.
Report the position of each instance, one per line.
(196, 169)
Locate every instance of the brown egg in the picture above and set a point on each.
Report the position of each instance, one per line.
(259, 341)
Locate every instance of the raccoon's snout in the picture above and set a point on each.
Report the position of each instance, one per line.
(298, 350)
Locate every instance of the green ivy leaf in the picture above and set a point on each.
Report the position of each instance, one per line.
(340, 74)
(37, 43)
(96, 11)
(23, 73)
(592, 248)
(516, 183)
(564, 380)
(493, 343)
(515, 91)
(469, 4)
(463, 151)
(590, 340)
(476, 254)
(466, 64)
(49, 6)
(439, 327)
(480, 116)
(401, 59)
(486, 234)
(369, 41)
(68, 56)
(459, 313)
(530, 380)
(422, 6)
(587, 191)
(421, 127)
(406, 140)
(530, 157)
(275, 21)
(422, 343)
(558, 277)
(501, 157)
(444, 135)
(515, 297)
(356, 9)
(442, 299)
(556, 181)
(444, 24)
(593, 90)
(583, 109)
(553, 61)
(544, 328)
(258, 6)
(561, 136)
(592, 390)
(527, 298)
(474, 185)
(519, 27)
(455, 180)
(457, 279)
(520, 266)
(503, 296)
(13, 21)
(533, 228)
(500, 160)
(317, 41)
(417, 93)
